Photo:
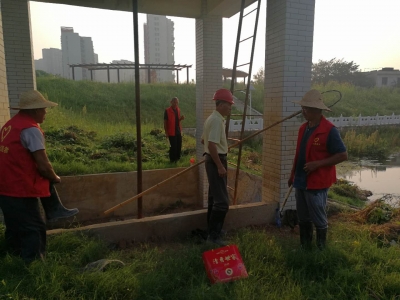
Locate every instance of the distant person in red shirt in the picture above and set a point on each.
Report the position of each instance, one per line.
(173, 129)
(319, 149)
(27, 175)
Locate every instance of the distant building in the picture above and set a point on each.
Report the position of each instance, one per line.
(51, 61)
(76, 50)
(385, 77)
(125, 75)
(159, 46)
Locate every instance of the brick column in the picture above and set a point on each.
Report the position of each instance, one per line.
(4, 111)
(18, 48)
(288, 58)
(208, 80)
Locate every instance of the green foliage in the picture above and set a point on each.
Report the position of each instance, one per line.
(125, 140)
(371, 143)
(340, 71)
(381, 213)
(115, 103)
(40, 73)
(347, 193)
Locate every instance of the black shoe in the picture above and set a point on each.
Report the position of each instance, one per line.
(306, 235)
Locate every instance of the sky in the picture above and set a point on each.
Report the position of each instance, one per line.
(363, 31)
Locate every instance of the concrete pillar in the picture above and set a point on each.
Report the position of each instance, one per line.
(18, 48)
(288, 59)
(4, 111)
(208, 80)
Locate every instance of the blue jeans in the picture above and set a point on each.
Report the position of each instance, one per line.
(311, 207)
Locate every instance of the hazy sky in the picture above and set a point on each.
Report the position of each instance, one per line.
(363, 31)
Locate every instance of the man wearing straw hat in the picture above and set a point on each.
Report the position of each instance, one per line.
(26, 175)
(319, 149)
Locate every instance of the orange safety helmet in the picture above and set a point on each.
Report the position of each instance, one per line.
(224, 95)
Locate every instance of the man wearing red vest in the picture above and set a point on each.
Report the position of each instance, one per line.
(319, 149)
(173, 129)
(25, 176)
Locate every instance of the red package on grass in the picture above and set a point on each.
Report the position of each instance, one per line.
(224, 264)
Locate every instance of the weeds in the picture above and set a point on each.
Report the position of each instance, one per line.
(354, 266)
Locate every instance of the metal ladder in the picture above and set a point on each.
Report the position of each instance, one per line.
(232, 89)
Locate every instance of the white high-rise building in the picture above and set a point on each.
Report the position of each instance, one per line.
(51, 61)
(76, 50)
(159, 46)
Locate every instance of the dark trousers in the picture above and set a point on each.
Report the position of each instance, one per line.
(175, 148)
(25, 228)
(218, 198)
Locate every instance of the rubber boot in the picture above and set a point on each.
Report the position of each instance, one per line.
(209, 211)
(53, 207)
(306, 235)
(321, 238)
(216, 223)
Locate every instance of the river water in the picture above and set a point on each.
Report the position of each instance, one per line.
(380, 178)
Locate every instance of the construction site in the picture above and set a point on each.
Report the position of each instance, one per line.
(288, 51)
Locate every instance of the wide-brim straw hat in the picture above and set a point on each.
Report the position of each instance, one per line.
(313, 98)
(32, 100)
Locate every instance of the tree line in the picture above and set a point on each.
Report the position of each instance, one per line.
(335, 69)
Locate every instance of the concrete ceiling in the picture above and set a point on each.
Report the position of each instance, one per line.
(177, 8)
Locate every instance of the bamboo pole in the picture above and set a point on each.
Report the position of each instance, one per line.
(195, 165)
(199, 163)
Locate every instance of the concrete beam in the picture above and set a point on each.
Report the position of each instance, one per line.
(177, 8)
(175, 226)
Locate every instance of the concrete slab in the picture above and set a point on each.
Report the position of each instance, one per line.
(176, 226)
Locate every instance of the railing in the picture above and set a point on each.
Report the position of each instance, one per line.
(257, 123)
(251, 124)
(365, 121)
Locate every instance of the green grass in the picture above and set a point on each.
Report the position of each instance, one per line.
(354, 266)
(115, 103)
(355, 100)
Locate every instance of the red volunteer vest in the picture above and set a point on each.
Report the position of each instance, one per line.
(171, 120)
(316, 149)
(19, 176)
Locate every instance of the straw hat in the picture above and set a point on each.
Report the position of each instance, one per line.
(32, 100)
(312, 98)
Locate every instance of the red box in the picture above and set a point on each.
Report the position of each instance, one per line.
(224, 264)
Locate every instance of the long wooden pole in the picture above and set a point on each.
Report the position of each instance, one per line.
(195, 165)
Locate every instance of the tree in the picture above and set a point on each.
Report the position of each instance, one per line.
(259, 77)
(340, 71)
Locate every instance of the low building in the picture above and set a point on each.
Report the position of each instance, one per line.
(385, 77)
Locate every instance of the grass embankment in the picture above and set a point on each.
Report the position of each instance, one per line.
(356, 265)
(94, 129)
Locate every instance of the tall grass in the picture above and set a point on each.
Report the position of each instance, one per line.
(371, 142)
(355, 100)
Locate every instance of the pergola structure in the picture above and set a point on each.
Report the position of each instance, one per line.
(130, 66)
(288, 59)
(227, 73)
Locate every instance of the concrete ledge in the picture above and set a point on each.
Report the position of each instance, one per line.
(175, 226)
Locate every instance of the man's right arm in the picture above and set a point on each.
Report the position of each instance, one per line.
(44, 166)
(212, 147)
